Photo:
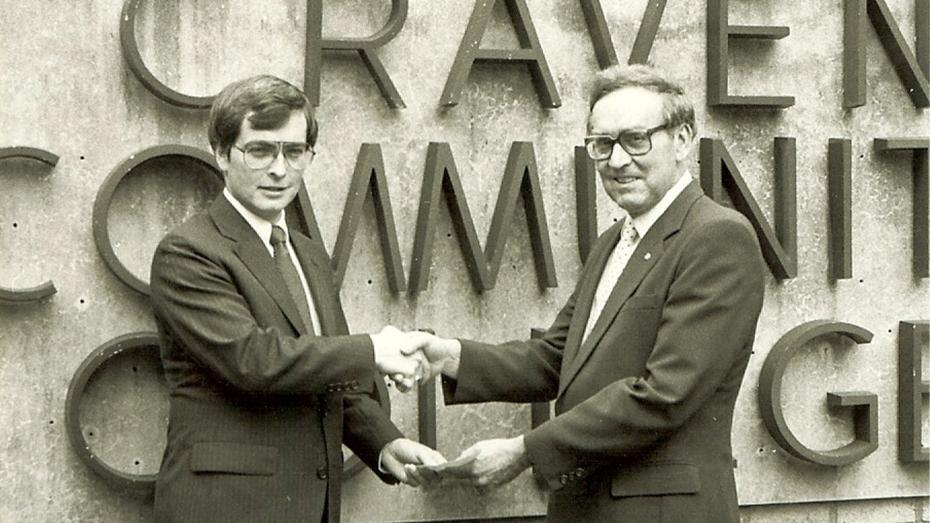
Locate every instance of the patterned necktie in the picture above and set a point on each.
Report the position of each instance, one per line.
(287, 269)
(612, 271)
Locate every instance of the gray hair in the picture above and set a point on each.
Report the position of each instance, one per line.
(677, 109)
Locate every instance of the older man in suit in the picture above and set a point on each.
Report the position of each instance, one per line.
(646, 358)
(265, 381)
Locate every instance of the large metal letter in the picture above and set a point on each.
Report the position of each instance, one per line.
(521, 177)
(144, 342)
(600, 34)
(369, 179)
(304, 218)
(365, 47)
(127, 38)
(105, 195)
(913, 70)
(863, 404)
(441, 177)
(530, 53)
(921, 171)
(313, 55)
(45, 289)
(426, 413)
(719, 33)
(585, 201)
(839, 188)
(912, 388)
(719, 175)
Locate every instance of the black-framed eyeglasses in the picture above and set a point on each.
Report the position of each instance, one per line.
(636, 142)
(259, 154)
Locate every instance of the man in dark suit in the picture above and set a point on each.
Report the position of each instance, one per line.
(645, 359)
(265, 381)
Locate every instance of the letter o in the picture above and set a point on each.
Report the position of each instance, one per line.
(105, 195)
(125, 481)
(137, 341)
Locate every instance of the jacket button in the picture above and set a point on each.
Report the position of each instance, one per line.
(322, 473)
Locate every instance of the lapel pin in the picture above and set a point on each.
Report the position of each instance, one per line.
(647, 256)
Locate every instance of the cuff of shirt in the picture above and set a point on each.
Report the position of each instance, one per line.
(381, 468)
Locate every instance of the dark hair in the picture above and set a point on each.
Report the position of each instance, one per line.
(267, 101)
(677, 108)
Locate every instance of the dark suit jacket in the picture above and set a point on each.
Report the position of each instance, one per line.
(258, 409)
(644, 406)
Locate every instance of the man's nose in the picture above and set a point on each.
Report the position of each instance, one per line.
(618, 157)
(278, 165)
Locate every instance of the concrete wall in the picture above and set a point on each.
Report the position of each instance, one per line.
(65, 88)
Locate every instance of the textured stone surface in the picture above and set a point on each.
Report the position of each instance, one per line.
(911, 510)
(65, 88)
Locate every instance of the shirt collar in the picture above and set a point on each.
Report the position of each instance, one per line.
(646, 220)
(261, 226)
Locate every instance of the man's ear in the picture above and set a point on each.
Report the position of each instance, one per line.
(222, 161)
(684, 140)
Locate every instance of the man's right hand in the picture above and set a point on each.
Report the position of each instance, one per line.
(443, 355)
(397, 354)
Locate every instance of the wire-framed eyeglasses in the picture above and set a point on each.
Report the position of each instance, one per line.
(260, 154)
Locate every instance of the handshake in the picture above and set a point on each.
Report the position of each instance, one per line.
(408, 358)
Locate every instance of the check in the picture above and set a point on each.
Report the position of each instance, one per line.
(456, 469)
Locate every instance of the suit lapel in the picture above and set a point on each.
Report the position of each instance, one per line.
(583, 301)
(647, 254)
(251, 250)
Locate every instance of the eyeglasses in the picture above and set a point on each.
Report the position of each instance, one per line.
(260, 154)
(635, 142)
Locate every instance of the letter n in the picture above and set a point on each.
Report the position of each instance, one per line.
(912, 70)
(720, 176)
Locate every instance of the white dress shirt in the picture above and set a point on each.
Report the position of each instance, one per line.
(617, 260)
(262, 228)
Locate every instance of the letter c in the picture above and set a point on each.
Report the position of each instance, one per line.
(46, 289)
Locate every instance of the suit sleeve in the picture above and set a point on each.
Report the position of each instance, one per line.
(707, 325)
(200, 308)
(367, 429)
(516, 371)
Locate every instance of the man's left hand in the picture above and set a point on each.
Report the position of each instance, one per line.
(402, 452)
(496, 461)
